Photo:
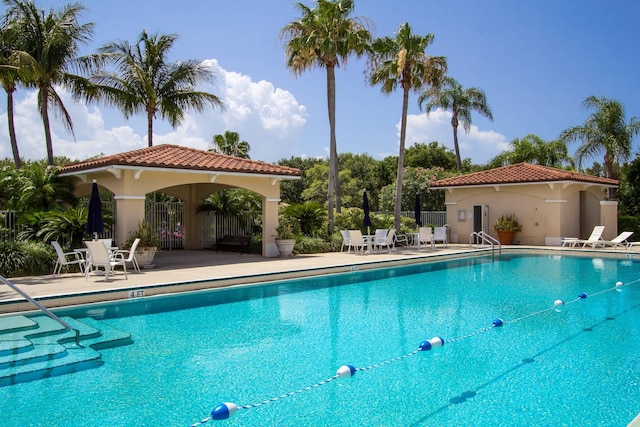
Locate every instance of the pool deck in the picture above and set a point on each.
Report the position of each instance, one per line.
(188, 270)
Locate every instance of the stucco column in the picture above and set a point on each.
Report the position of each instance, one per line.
(129, 211)
(609, 218)
(269, 225)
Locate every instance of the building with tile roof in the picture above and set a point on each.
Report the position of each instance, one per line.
(550, 203)
(183, 172)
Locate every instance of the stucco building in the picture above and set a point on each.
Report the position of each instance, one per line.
(550, 203)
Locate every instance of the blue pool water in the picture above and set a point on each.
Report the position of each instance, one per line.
(580, 366)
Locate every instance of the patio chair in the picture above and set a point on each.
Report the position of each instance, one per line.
(619, 240)
(346, 240)
(100, 257)
(380, 237)
(66, 258)
(594, 239)
(425, 235)
(129, 255)
(389, 241)
(358, 242)
(440, 235)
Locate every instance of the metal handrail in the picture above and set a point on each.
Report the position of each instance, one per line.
(486, 239)
(42, 308)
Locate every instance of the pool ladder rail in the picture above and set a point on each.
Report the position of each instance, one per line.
(482, 238)
(43, 309)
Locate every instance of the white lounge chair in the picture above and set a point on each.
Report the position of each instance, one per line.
(595, 239)
(99, 257)
(66, 258)
(346, 240)
(619, 240)
(440, 235)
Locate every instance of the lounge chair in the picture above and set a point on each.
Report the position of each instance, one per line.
(99, 257)
(66, 258)
(358, 242)
(346, 240)
(440, 235)
(595, 239)
(388, 241)
(619, 240)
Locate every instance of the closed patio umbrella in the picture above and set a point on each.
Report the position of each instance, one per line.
(95, 223)
(365, 207)
(417, 210)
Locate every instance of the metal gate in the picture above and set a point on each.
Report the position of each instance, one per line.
(217, 225)
(168, 219)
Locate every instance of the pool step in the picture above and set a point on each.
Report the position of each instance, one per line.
(37, 347)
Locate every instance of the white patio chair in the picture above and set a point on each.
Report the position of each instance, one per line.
(66, 258)
(425, 235)
(380, 237)
(100, 257)
(358, 242)
(388, 242)
(129, 255)
(595, 239)
(346, 240)
(440, 235)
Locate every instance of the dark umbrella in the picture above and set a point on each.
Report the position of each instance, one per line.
(95, 223)
(365, 206)
(416, 211)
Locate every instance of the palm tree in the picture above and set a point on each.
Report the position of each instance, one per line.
(402, 61)
(604, 131)
(323, 37)
(451, 96)
(229, 143)
(533, 149)
(145, 82)
(53, 41)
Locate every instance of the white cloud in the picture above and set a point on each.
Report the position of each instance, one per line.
(479, 145)
(269, 118)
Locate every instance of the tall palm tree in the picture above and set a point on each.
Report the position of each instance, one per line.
(9, 78)
(53, 41)
(533, 149)
(144, 81)
(402, 61)
(605, 130)
(323, 37)
(229, 143)
(450, 95)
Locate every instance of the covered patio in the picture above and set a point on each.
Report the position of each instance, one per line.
(185, 173)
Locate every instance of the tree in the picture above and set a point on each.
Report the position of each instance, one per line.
(323, 37)
(429, 156)
(53, 42)
(144, 81)
(229, 143)
(402, 61)
(605, 130)
(533, 149)
(451, 96)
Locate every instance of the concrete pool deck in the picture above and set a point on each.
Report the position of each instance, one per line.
(189, 270)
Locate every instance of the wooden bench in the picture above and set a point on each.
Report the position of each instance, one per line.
(234, 243)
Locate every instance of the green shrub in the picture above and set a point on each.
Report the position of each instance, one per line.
(630, 223)
(311, 245)
(23, 258)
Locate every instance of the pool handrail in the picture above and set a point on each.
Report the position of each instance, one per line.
(42, 308)
(485, 238)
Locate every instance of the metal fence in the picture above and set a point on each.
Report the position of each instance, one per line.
(9, 225)
(217, 225)
(168, 219)
(435, 218)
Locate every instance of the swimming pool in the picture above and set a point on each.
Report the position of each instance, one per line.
(580, 366)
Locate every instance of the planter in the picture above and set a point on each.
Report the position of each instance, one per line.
(145, 256)
(506, 237)
(285, 246)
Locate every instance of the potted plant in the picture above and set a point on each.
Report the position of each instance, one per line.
(148, 246)
(506, 226)
(286, 239)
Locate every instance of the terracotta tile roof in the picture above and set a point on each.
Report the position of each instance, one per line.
(521, 173)
(179, 157)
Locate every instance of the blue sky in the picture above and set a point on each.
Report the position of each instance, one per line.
(535, 60)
